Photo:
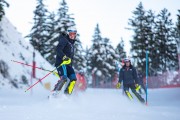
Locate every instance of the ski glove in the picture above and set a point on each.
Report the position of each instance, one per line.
(118, 85)
(66, 60)
(137, 87)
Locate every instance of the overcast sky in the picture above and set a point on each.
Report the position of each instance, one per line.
(111, 15)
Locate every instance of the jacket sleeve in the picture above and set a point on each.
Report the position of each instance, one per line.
(60, 47)
(135, 76)
(121, 75)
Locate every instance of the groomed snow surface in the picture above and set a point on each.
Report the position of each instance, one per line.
(93, 104)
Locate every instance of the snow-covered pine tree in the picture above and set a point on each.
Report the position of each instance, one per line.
(2, 4)
(109, 57)
(168, 59)
(101, 59)
(51, 43)
(121, 54)
(88, 67)
(142, 25)
(151, 43)
(94, 55)
(1, 30)
(39, 32)
(79, 61)
(64, 19)
(178, 30)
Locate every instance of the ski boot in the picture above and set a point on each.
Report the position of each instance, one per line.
(58, 87)
(70, 87)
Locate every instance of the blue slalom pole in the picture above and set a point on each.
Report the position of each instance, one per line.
(146, 76)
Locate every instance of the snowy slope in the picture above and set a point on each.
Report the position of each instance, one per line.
(14, 47)
(94, 104)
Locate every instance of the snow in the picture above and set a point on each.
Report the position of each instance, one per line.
(14, 47)
(93, 104)
(99, 73)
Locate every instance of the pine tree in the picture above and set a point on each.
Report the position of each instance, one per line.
(101, 59)
(151, 43)
(178, 30)
(142, 25)
(2, 4)
(109, 57)
(51, 42)
(94, 50)
(79, 60)
(40, 31)
(1, 30)
(166, 42)
(121, 54)
(64, 19)
(95, 60)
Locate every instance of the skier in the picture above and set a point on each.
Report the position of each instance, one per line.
(64, 56)
(128, 75)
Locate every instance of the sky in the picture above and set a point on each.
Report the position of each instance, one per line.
(111, 15)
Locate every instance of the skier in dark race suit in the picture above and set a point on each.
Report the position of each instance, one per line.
(128, 75)
(64, 56)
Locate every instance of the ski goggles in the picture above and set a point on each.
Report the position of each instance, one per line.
(126, 60)
(72, 31)
(72, 34)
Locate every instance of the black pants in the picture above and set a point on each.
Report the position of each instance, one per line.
(133, 89)
(65, 72)
(142, 87)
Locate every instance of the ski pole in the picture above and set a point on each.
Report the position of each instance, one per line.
(35, 67)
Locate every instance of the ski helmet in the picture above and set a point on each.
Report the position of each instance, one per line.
(71, 29)
(127, 60)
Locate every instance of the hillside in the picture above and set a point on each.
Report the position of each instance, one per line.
(14, 47)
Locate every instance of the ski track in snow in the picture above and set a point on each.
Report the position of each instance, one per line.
(94, 104)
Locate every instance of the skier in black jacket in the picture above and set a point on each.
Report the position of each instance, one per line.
(128, 75)
(64, 56)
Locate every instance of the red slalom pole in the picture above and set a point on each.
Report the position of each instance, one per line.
(30, 65)
(63, 63)
(40, 80)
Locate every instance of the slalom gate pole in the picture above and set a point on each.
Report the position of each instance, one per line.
(30, 65)
(63, 63)
(41, 79)
(55, 73)
(146, 77)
